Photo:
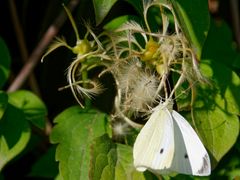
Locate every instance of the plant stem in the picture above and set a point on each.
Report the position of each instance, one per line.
(22, 45)
(235, 19)
(84, 78)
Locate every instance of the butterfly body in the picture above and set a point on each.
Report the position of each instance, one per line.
(167, 143)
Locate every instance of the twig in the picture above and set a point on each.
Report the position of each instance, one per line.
(38, 51)
(22, 44)
(235, 19)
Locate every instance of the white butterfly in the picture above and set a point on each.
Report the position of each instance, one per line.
(167, 143)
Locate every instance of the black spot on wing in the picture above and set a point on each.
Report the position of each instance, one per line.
(205, 165)
(186, 156)
(161, 151)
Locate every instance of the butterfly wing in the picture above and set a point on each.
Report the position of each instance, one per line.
(154, 145)
(190, 155)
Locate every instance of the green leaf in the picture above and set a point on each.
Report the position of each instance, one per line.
(3, 103)
(114, 161)
(216, 109)
(75, 132)
(58, 177)
(34, 109)
(193, 17)
(46, 166)
(219, 45)
(104, 158)
(183, 94)
(124, 167)
(101, 8)
(14, 134)
(218, 103)
(236, 62)
(234, 174)
(4, 63)
(117, 22)
(228, 166)
(223, 86)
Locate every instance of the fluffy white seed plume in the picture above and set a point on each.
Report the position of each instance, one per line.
(120, 129)
(128, 73)
(144, 90)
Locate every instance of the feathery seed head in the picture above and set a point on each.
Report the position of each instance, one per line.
(144, 91)
(120, 129)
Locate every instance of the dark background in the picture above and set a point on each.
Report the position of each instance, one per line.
(35, 17)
